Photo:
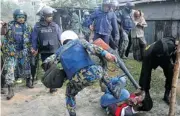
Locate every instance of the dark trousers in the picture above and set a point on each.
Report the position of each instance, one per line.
(147, 66)
(3, 72)
(34, 66)
(45, 55)
(138, 48)
(129, 45)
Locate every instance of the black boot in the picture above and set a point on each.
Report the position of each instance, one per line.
(2, 82)
(3, 91)
(147, 103)
(29, 83)
(2, 88)
(10, 92)
(166, 96)
(72, 113)
(52, 90)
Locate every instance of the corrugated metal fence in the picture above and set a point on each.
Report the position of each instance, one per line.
(159, 29)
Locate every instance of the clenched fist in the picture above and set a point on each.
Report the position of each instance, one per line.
(110, 57)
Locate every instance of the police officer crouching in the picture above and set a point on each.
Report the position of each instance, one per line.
(160, 53)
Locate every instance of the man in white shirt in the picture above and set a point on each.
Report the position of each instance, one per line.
(137, 35)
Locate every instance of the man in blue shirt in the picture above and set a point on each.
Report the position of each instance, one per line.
(104, 23)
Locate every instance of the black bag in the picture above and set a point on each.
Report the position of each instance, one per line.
(54, 77)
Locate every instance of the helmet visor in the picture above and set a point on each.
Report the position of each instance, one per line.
(20, 16)
(49, 15)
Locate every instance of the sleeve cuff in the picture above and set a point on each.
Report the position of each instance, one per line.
(104, 53)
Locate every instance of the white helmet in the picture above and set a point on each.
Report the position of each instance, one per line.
(86, 13)
(68, 34)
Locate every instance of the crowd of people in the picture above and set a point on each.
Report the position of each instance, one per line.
(118, 28)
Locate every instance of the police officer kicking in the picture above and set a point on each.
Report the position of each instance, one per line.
(160, 53)
(46, 35)
(81, 71)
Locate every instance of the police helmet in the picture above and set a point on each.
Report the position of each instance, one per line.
(47, 11)
(86, 13)
(114, 3)
(19, 12)
(68, 35)
(130, 5)
(107, 2)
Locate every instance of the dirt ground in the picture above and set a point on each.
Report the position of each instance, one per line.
(39, 102)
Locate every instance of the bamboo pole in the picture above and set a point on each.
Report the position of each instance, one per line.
(172, 108)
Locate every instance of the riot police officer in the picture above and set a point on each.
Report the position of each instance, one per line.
(80, 69)
(17, 51)
(160, 53)
(125, 19)
(104, 23)
(46, 35)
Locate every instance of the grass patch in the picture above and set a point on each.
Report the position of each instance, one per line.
(157, 77)
(157, 82)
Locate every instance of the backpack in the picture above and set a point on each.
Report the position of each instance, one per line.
(53, 77)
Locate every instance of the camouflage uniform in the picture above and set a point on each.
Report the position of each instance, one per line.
(85, 30)
(75, 25)
(125, 19)
(17, 62)
(85, 76)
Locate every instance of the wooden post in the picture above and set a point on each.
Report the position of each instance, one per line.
(172, 108)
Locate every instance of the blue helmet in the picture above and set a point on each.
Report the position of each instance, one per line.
(114, 3)
(130, 5)
(19, 12)
(108, 2)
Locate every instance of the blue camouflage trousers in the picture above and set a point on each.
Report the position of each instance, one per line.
(9, 66)
(16, 68)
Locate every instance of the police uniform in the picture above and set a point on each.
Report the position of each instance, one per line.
(17, 52)
(81, 71)
(105, 25)
(160, 53)
(125, 19)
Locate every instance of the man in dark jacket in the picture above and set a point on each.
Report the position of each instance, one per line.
(104, 23)
(46, 35)
(160, 53)
(125, 19)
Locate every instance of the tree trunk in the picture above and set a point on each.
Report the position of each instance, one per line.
(172, 109)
